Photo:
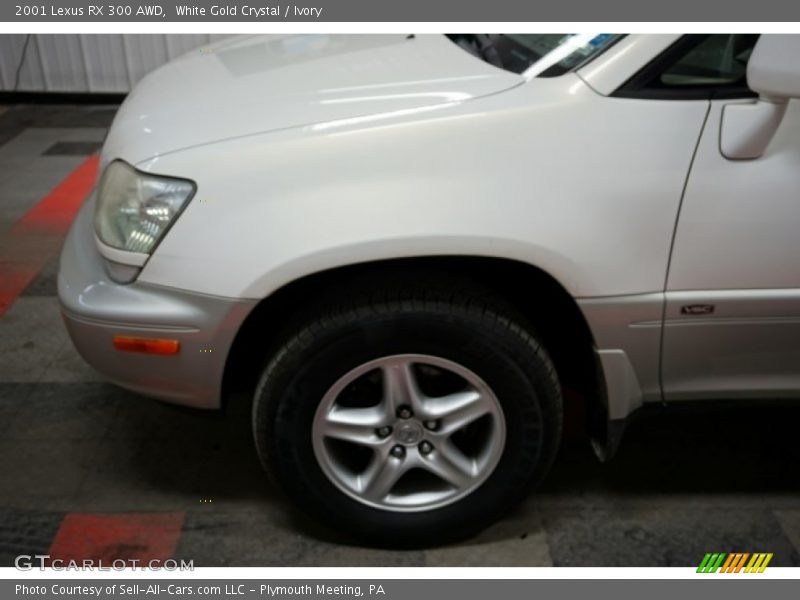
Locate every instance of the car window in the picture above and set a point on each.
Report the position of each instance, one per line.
(696, 67)
(535, 55)
(717, 60)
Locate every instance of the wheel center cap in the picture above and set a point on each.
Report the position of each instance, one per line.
(408, 433)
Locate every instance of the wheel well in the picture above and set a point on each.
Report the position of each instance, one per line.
(535, 294)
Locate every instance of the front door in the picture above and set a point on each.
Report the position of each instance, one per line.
(732, 314)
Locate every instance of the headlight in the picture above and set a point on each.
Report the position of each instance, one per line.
(135, 209)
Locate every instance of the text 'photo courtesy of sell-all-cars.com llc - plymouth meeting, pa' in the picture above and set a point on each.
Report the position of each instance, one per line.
(409, 246)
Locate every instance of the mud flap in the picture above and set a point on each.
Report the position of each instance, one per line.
(605, 443)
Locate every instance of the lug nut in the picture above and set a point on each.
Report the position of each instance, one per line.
(432, 425)
(398, 451)
(425, 447)
(384, 431)
(404, 412)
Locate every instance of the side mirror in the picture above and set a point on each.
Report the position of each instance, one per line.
(773, 71)
(774, 67)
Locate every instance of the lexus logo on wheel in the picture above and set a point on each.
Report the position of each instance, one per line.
(409, 433)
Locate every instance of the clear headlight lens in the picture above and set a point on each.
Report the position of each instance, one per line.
(135, 209)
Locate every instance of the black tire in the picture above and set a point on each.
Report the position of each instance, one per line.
(456, 322)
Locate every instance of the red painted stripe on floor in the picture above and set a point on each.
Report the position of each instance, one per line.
(13, 279)
(128, 537)
(54, 213)
(37, 236)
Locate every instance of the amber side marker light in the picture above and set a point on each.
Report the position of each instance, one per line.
(146, 345)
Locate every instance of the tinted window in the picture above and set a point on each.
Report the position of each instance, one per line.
(696, 66)
(717, 60)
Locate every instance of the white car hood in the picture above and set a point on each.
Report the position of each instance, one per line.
(251, 85)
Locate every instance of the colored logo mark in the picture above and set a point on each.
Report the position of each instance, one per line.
(734, 562)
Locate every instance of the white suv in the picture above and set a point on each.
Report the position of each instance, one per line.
(412, 244)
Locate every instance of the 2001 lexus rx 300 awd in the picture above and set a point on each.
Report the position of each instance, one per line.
(414, 243)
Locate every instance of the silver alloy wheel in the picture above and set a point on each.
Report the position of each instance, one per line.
(417, 458)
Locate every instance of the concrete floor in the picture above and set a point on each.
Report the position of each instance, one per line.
(686, 481)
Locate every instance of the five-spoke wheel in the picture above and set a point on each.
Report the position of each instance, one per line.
(423, 451)
(408, 413)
